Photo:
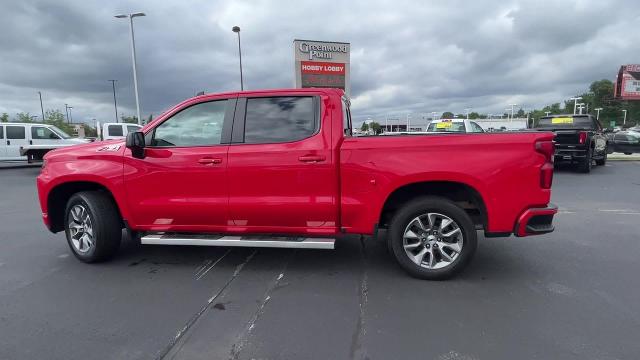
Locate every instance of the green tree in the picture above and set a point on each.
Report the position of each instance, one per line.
(447, 115)
(57, 119)
(4, 117)
(475, 115)
(377, 129)
(129, 119)
(23, 117)
(364, 127)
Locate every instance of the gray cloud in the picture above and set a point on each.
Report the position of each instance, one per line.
(407, 56)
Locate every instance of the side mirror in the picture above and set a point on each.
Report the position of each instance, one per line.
(135, 142)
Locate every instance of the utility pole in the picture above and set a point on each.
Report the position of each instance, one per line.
(512, 108)
(41, 107)
(408, 126)
(115, 104)
(66, 110)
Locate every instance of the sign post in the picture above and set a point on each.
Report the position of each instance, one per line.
(322, 64)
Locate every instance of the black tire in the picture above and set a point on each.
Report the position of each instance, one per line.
(105, 221)
(587, 163)
(420, 206)
(603, 161)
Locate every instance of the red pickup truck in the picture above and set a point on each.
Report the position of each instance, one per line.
(281, 168)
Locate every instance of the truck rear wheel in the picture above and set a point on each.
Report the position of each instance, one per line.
(586, 164)
(93, 226)
(602, 161)
(432, 238)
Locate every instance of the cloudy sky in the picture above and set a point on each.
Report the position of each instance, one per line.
(407, 56)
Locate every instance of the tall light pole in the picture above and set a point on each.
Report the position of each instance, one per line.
(236, 29)
(66, 111)
(41, 107)
(624, 122)
(70, 116)
(598, 113)
(467, 112)
(547, 113)
(408, 126)
(508, 117)
(575, 103)
(580, 108)
(512, 108)
(115, 104)
(133, 59)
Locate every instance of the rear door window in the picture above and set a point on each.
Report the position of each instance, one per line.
(115, 130)
(280, 119)
(1, 132)
(16, 133)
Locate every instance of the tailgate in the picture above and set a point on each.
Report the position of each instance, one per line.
(567, 137)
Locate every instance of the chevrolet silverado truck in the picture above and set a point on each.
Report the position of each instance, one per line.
(580, 139)
(281, 168)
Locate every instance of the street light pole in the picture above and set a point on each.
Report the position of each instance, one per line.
(41, 107)
(467, 112)
(236, 29)
(133, 59)
(66, 111)
(512, 108)
(575, 103)
(624, 122)
(115, 104)
(598, 113)
(70, 116)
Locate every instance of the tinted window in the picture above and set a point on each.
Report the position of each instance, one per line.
(15, 132)
(42, 133)
(620, 137)
(198, 125)
(1, 132)
(566, 122)
(115, 130)
(132, 128)
(279, 119)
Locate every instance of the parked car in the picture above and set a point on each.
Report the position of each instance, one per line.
(627, 142)
(30, 141)
(454, 126)
(281, 168)
(580, 139)
(110, 131)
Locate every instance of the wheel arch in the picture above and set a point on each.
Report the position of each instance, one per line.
(463, 194)
(60, 194)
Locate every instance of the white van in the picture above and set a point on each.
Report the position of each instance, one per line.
(30, 141)
(117, 130)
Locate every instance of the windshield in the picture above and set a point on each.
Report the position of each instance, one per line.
(61, 133)
(565, 122)
(446, 126)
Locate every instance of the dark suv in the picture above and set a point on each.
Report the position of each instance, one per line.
(580, 139)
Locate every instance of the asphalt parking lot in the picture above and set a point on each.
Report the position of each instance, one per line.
(571, 294)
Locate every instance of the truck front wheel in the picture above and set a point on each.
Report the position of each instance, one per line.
(432, 238)
(93, 226)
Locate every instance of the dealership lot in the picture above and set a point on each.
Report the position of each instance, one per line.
(571, 294)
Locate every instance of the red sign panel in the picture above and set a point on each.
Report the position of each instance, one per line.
(322, 68)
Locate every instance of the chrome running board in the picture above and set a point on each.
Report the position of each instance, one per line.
(243, 241)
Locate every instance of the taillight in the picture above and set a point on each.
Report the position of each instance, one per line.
(546, 148)
(582, 137)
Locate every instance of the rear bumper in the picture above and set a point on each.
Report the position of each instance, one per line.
(569, 154)
(536, 221)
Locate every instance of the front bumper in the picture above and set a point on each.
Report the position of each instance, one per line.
(536, 221)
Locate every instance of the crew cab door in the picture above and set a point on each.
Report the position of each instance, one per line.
(181, 184)
(3, 144)
(282, 176)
